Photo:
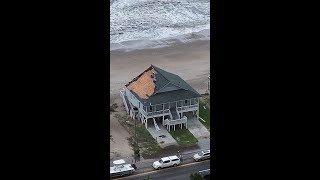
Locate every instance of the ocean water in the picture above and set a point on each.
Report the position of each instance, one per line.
(138, 24)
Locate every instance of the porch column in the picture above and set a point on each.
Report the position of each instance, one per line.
(146, 123)
(162, 120)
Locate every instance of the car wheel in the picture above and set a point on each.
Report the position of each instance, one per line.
(175, 165)
(159, 168)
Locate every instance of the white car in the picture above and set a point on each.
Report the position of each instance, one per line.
(202, 155)
(166, 162)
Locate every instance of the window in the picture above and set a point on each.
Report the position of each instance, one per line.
(166, 161)
(139, 104)
(174, 160)
(186, 101)
(160, 161)
(150, 108)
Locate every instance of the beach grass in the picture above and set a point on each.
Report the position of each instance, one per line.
(146, 141)
(204, 113)
(147, 144)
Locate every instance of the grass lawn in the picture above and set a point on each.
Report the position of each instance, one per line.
(204, 114)
(183, 136)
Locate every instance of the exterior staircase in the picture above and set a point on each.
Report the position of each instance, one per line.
(174, 113)
(156, 125)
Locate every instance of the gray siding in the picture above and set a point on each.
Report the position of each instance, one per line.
(134, 101)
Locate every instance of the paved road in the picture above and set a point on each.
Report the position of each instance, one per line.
(181, 172)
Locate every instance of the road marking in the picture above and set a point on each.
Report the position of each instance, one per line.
(204, 170)
(154, 171)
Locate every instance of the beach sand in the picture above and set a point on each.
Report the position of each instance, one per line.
(190, 61)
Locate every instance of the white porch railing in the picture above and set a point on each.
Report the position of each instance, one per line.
(156, 113)
(156, 125)
(124, 100)
(187, 108)
(174, 122)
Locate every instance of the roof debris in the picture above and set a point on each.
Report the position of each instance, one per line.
(143, 85)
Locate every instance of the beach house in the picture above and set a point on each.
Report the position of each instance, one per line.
(157, 97)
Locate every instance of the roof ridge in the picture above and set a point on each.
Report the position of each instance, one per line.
(167, 78)
(189, 88)
(160, 72)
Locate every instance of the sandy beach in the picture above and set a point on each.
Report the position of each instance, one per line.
(191, 61)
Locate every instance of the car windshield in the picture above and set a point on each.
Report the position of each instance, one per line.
(160, 161)
(200, 153)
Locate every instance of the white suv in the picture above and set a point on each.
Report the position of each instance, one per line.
(166, 162)
(202, 155)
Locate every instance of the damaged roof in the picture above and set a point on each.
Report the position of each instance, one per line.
(156, 86)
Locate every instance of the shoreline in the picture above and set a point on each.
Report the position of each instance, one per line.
(190, 61)
(132, 45)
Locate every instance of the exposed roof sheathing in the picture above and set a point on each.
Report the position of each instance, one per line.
(148, 85)
(143, 86)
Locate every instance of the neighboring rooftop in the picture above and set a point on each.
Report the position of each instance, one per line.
(156, 86)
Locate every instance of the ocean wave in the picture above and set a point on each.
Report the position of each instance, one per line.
(159, 43)
(150, 20)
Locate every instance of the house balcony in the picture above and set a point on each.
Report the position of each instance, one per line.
(125, 100)
(175, 122)
(167, 111)
(156, 113)
(181, 122)
(187, 108)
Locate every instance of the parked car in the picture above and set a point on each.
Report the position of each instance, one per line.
(120, 168)
(166, 162)
(205, 174)
(202, 155)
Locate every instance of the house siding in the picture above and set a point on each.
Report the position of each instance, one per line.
(133, 100)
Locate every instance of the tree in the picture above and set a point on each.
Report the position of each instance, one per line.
(196, 176)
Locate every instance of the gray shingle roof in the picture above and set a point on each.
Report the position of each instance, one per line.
(163, 78)
(172, 78)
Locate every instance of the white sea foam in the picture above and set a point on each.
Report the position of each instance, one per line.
(149, 23)
(152, 44)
